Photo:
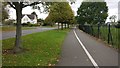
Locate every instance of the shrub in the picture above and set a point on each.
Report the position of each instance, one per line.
(118, 25)
(29, 24)
(46, 24)
(8, 22)
(32, 25)
(24, 24)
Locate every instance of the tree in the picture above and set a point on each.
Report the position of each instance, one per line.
(60, 12)
(18, 6)
(118, 21)
(40, 20)
(4, 12)
(9, 22)
(113, 18)
(49, 20)
(118, 24)
(92, 13)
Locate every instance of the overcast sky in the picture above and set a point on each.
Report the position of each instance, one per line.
(112, 6)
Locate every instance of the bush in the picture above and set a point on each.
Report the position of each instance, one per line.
(24, 24)
(14, 24)
(46, 24)
(32, 25)
(117, 26)
(8, 22)
(29, 24)
(86, 28)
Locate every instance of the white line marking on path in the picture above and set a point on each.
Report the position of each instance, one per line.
(86, 51)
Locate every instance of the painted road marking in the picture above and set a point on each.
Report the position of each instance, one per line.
(86, 51)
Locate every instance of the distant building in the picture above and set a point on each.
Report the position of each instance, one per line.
(31, 18)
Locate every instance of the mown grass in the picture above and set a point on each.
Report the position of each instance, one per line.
(104, 35)
(43, 49)
(12, 28)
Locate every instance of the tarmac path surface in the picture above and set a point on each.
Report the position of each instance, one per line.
(10, 34)
(80, 49)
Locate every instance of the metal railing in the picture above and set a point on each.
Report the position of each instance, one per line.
(107, 33)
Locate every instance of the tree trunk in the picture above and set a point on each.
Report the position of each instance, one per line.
(17, 47)
(65, 25)
(62, 26)
(91, 30)
(98, 30)
(68, 25)
(52, 24)
(58, 25)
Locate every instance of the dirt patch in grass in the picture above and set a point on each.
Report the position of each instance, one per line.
(11, 51)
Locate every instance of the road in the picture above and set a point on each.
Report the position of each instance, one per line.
(11, 34)
(73, 54)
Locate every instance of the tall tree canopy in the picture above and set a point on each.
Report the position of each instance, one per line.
(92, 12)
(60, 12)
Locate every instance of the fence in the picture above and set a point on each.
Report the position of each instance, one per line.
(107, 33)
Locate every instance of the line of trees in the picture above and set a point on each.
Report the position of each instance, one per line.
(60, 12)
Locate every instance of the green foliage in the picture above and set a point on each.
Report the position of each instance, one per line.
(104, 35)
(8, 28)
(13, 28)
(112, 18)
(4, 12)
(24, 24)
(29, 24)
(60, 12)
(119, 21)
(43, 49)
(8, 22)
(40, 20)
(92, 13)
(118, 24)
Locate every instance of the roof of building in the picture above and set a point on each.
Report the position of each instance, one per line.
(31, 16)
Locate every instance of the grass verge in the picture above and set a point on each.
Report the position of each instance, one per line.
(43, 49)
(12, 28)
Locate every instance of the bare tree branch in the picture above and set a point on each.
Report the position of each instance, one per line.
(35, 3)
(11, 5)
(21, 4)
